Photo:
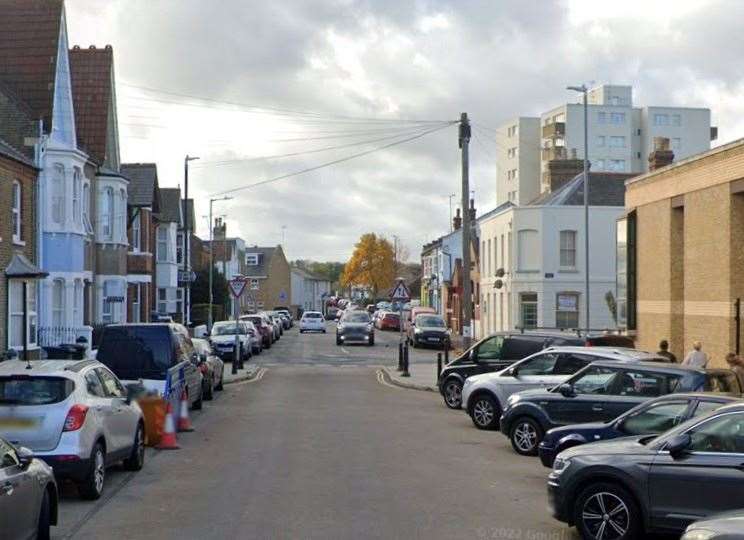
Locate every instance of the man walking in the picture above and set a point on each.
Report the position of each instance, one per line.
(737, 366)
(696, 357)
(664, 351)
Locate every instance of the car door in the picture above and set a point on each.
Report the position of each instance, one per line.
(592, 388)
(533, 372)
(189, 361)
(123, 420)
(103, 405)
(19, 498)
(487, 355)
(705, 479)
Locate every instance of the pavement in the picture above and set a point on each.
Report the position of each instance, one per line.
(320, 445)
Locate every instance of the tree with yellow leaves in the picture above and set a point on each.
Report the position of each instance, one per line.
(371, 265)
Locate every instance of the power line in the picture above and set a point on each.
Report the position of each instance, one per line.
(334, 162)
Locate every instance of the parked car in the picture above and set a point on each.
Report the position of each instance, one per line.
(355, 326)
(211, 366)
(254, 337)
(75, 415)
(651, 417)
(29, 503)
(275, 324)
(724, 526)
(264, 327)
(331, 312)
(428, 330)
(222, 339)
(389, 321)
(634, 486)
(284, 318)
(410, 314)
(599, 393)
(486, 395)
(312, 321)
(502, 349)
(154, 354)
(282, 310)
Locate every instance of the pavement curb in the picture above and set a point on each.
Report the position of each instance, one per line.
(411, 386)
(244, 377)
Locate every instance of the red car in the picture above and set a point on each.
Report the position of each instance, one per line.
(389, 321)
(267, 333)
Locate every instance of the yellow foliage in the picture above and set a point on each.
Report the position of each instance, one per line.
(371, 265)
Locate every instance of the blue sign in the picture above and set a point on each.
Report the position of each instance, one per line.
(282, 296)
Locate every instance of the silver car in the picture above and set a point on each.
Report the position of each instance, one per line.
(28, 494)
(73, 414)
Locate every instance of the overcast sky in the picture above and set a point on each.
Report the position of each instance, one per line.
(381, 59)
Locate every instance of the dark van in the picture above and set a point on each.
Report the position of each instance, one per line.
(154, 354)
(502, 349)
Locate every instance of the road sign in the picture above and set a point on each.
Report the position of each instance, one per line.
(186, 276)
(283, 296)
(237, 286)
(400, 292)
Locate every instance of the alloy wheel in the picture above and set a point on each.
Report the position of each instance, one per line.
(453, 394)
(525, 437)
(99, 471)
(483, 412)
(606, 516)
(140, 446)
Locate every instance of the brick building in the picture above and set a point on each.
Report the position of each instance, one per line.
(269, 277)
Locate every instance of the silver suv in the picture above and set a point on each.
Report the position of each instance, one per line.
(73, 414)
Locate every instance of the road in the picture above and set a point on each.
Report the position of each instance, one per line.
(319, 447)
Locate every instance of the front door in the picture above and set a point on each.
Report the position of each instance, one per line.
(17, 496)
(707, 478)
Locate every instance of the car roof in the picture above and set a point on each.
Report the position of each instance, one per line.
(44, 367)
(653, 366)
(713, 396)
(607, 352)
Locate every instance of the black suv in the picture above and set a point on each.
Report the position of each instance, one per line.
(600, 392)
(502, 349)
(627, 488)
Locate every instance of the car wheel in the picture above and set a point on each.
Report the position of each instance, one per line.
(525, 436)
(221, 386)
(302, 331)
(338, 341)
(136, 459)
(324, 330)
(45, 518)
(92, 487)
(197, 406)
(209, 392)
(372, 342)
(607, 511)
(453, 394)
(485, 412)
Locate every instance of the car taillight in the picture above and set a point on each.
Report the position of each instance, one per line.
(75, 418)
(203, 368)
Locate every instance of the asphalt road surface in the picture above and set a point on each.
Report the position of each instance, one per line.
(319, 447)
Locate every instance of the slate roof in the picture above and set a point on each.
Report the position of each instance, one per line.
(605, 189)
(10, 152)
(143, 184)
(29, 38)
(170, 201)
(21, 267)
(264, 259)
(16, 122)
(307, 275)
(92, 92)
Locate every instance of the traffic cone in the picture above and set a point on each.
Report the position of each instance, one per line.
(168, 440)
(184, 422)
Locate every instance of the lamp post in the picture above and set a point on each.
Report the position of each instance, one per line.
(583, 90)
(450, 209)
(187, 239)
(211, 258)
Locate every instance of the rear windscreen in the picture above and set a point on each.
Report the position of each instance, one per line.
(24, 390)
(313, 316)
(136, 352)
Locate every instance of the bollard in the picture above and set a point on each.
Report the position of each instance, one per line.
(400, 356)
(240, 362)
(405, 362)
(439, 364)
(234, 369)
(446, 353)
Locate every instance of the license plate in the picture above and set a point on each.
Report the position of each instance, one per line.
(433, 339)
(18, 423)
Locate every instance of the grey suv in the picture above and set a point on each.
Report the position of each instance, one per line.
(73, 414)
(622, 489)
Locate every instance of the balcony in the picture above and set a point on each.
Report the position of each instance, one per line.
(554, 152)
(554, 130)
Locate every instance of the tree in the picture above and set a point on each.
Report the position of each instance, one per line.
(372, 264)
(200, 288)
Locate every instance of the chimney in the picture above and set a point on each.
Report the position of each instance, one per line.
(562, 171)
(457, 221)
(472, 212)
(661, 156)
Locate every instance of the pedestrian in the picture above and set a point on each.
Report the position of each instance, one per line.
(664, 351)
(696, 357)
(737, 366)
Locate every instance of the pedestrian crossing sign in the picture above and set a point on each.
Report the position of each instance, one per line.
(400, 292)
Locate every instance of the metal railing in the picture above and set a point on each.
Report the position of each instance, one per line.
(54, 336)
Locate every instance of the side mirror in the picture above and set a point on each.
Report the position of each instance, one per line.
(512, 372)
(567, 390)
(25, 456)
(473, 356)
(678, 444)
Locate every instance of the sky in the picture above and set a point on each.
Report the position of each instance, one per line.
(239, 82)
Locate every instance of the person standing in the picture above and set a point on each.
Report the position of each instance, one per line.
(737, 366)
(664, 351)
(696, 357)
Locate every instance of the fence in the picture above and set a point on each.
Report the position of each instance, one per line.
(54, 336)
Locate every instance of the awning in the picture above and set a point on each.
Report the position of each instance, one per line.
(20, 267)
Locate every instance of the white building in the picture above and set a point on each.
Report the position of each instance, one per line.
(532, 259)
(169, 296)
(518, 158)
(308, 292)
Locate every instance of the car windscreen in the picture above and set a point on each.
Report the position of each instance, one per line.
(136, 352)
(227, 329)
(255, 320)
(722, 381)
(26, 390)
(429, 321)
(361, 317)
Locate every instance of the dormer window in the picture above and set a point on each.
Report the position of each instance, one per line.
(251, 259)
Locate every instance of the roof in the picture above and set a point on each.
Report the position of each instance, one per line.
(92, 93)
(29, 39)
(143, 184)
(170, 202)
(8, 151)
(16, 122)
(653, 366)
(21, 267)
(307, 275)
(264, 259)
(605, 189)
(500, 208)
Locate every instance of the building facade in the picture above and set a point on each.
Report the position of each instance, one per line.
(269, 277)
(168, 296)
(517, 154)
(308, 291)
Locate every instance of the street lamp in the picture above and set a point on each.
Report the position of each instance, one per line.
(583, 90)
(450, 209)
(211, 258)
(187, 239)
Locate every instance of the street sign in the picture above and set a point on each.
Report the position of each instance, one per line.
(237, 286)
(186, 276)
(283, 296)
(400, 292)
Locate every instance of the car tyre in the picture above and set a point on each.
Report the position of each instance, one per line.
(221, 386)
(338, 341)
(485, 412)
(372, 342)
(136, 459)
(324, 330)
(525, 436)
(45, 518)
(209, 393)
(453, 394)
(91, 488)
(197, 406)
(607, 507)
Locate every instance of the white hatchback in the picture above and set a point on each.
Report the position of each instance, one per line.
(312, 321)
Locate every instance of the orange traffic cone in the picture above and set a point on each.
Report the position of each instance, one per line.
(168, 440)
(184, 422)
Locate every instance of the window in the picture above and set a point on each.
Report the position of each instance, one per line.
(600, 164)
(122, 216)
(568, 364)
(595, 380)
(661, 119)
(512, 152)
(17, 203)
(483, 259)
(511, 131)
(614, 100)
(704, 407)
(136, 300)
(179, 248)
(567, 310)
(136, 230)
(490, 349)
(568, 249)
(602, 117)
(488, 269)
(58, 302)
(676, 120)
(107, 213)
(616, 165)
(617, 142)
(179, 300)
(112, 386)
(539, 365)
(77, 300)
(162, 300)
(58, 195)
(600, 140)
(528, 251)
(86, 209)
(107, 311)
(645, 384)
(676, 143)
(15, 308)
(528, 310)
(76, 189)
(251, 259)
(254, 285)
(162, 244)
(93, 384)
(655, 419)
(617, 118)
(723, 434)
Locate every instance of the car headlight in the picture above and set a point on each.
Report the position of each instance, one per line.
(560, 464)
(698, 534)
(417, 331)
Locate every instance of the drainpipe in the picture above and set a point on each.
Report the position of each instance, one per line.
(38, 236)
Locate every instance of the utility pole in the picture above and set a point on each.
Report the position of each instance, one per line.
(467, 300)
(186, 241)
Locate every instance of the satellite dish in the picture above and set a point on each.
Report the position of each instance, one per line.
(500, 273)
(498, 284)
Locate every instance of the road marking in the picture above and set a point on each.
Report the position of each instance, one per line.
(345, 351)
(381, 380)
(258, 377)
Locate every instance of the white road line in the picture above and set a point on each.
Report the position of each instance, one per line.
(257, 378)
(381, 380)
(345, 351)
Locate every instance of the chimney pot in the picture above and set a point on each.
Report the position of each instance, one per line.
(457, 221)
(661, 156)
